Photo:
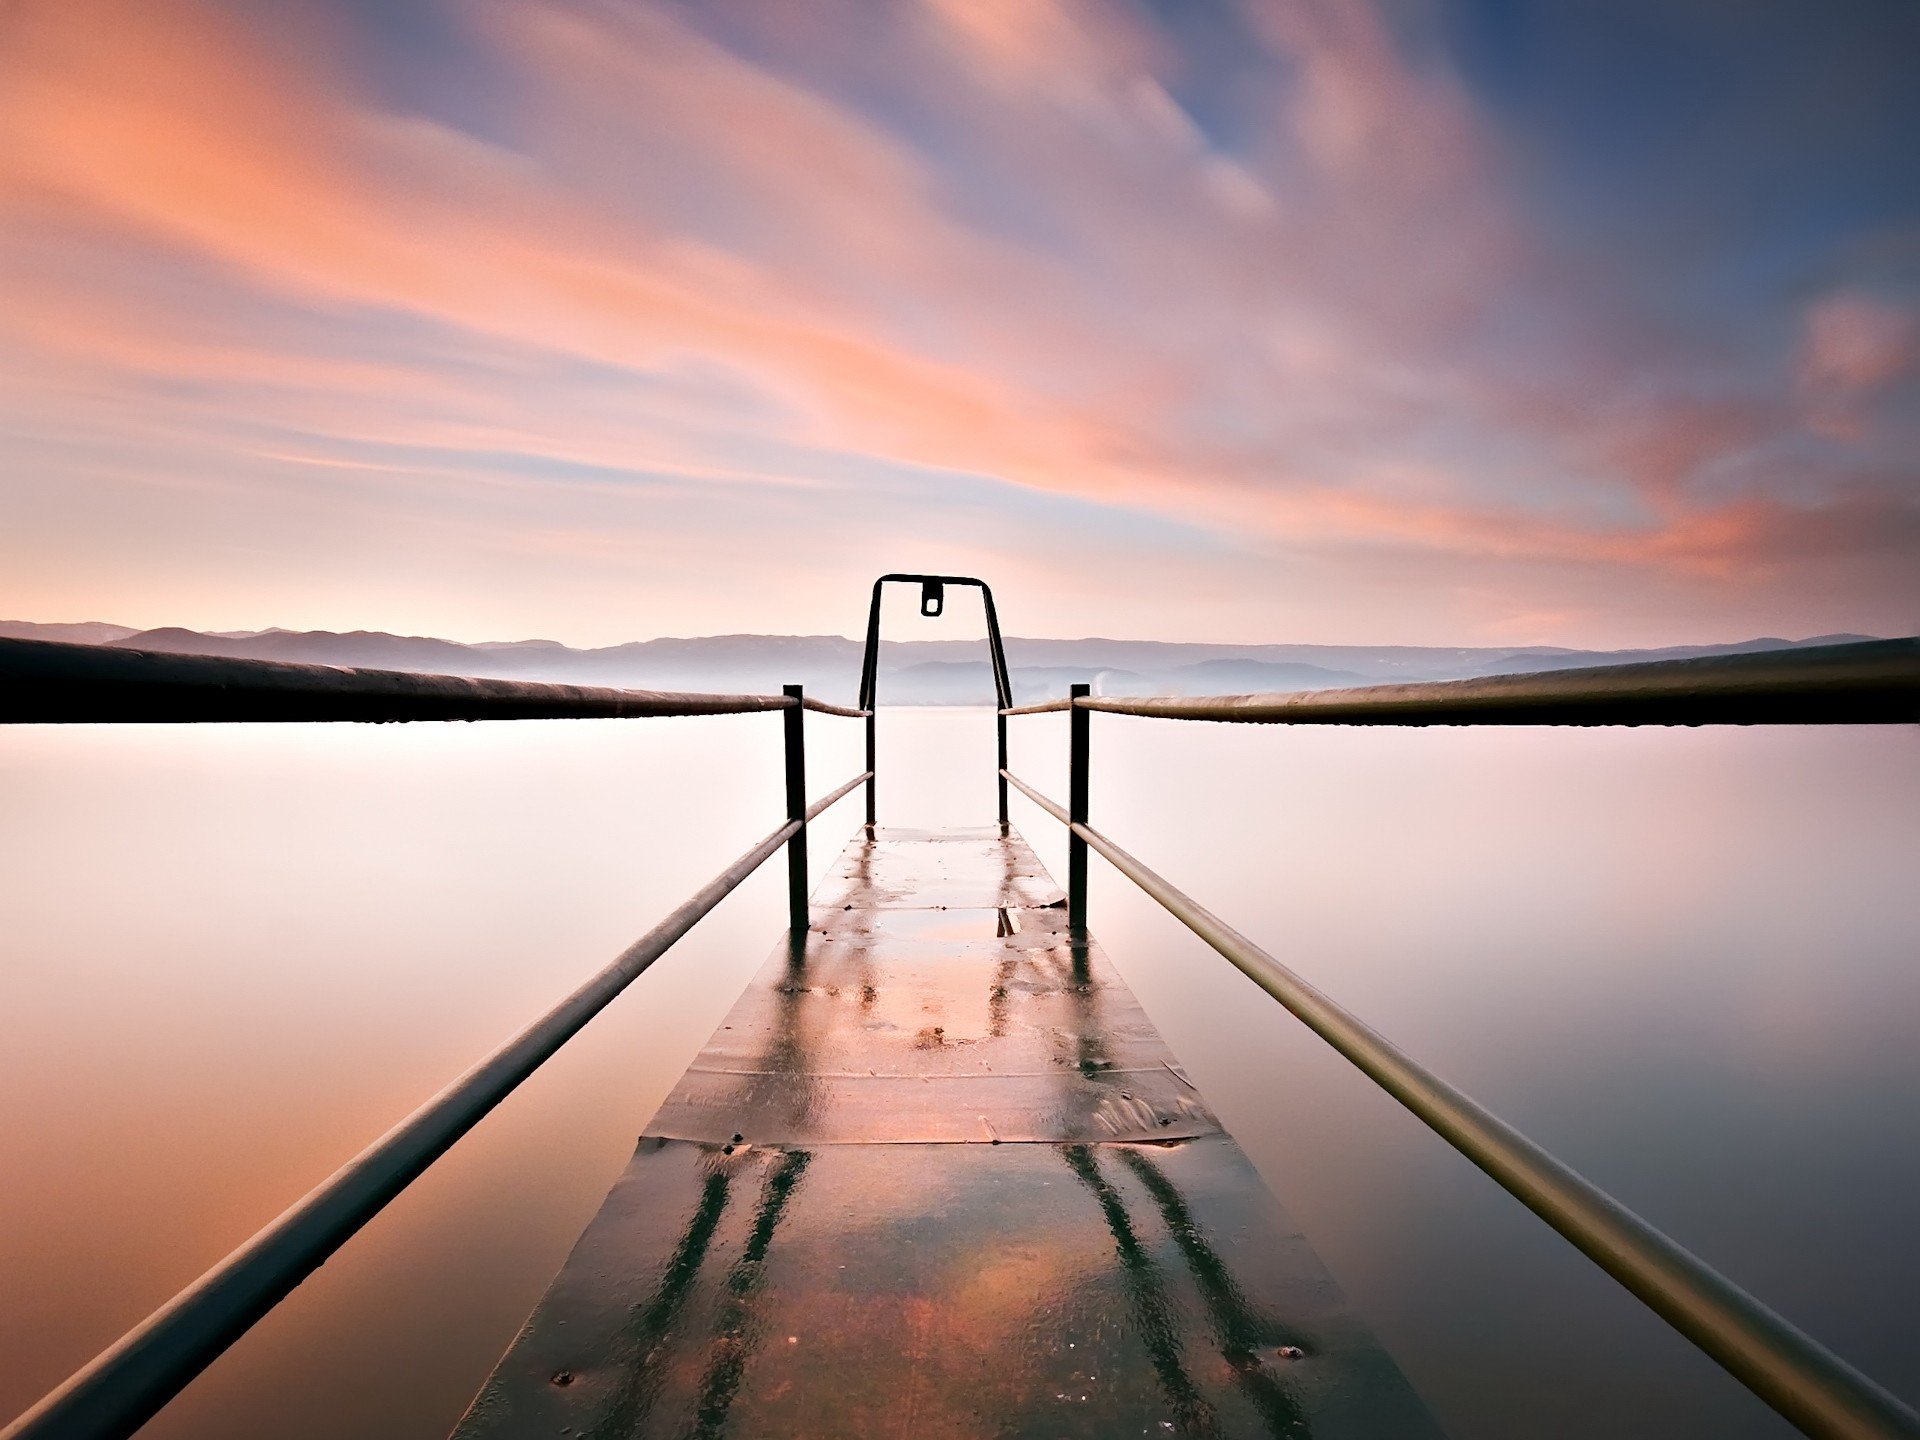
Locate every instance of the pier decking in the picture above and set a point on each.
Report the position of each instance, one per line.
(938, 1175)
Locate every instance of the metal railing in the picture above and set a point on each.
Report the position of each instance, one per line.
(933, 603)
(48, 682)
(1874, 682)
(1868, 683)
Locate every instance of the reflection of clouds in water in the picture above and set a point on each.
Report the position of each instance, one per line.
(233, 901)
(1651, 949)
(1822, 1028)
(288, 937)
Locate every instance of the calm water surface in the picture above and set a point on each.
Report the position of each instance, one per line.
(1683, 960)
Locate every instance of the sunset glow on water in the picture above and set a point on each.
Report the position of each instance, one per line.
(235, 956)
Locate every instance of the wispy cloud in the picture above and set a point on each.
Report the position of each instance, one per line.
(1282, 289)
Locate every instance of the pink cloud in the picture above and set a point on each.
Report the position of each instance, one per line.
(1853, 348)
(170, 119)
(1263, 343)
(1858, 344)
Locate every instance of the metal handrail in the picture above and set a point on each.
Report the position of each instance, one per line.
(1870, 682)
(51, 682)
(1800, 1378)
(847, 712)
(932, 603)
(127, 1384)
(828, 801)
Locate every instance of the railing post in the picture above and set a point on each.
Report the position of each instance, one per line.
(872, 707)
(1079, 723)
(797, 887)
(1000, 773)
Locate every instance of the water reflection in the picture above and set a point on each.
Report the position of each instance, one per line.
(782, 1081)
(230, 958)
(638, 1379)
(1153, 1312)
(1664, 954)
(737, 1334)
(997, 996)
(1245, 1334)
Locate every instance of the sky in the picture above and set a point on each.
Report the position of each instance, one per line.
(1594, 322)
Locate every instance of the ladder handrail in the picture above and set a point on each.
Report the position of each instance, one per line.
(933, 602)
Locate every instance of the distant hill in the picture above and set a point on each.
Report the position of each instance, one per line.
(79, 632)
(1255, 677)
(912, 672)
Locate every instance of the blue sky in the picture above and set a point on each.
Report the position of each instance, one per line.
(1574, 323)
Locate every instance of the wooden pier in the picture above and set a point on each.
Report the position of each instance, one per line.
(936, 1174)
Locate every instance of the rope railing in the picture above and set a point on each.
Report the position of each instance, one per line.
(1871, 682)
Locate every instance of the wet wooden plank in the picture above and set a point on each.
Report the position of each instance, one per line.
(941, 1177)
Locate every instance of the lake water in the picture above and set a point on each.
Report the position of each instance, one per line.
(1684, 960)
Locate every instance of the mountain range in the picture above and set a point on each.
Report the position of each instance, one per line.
(912, 672)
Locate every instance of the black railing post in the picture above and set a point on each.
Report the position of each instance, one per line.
(1002, 691)
(870, 694)
(1079, 731)
(1001, 773)
(796, 810)
(871, 820)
